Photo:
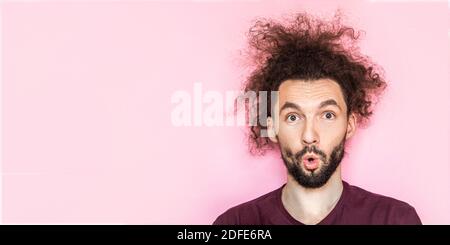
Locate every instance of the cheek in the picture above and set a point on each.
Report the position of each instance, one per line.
(331, 135)
(289, 134)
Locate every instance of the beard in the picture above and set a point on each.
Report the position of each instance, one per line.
(317, 177)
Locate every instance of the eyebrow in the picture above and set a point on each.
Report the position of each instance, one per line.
(292, 105)
(329, 102)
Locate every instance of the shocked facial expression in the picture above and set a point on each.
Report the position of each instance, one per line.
(311, 124)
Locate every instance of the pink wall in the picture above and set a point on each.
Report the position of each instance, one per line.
(87, 131)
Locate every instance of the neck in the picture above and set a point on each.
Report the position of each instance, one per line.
(311, 205)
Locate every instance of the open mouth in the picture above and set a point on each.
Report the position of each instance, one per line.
(310, 162)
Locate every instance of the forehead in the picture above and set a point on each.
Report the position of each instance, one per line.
(310, 93)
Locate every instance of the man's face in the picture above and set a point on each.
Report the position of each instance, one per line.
(311, 125)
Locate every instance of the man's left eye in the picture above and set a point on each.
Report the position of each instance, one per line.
(329, 115)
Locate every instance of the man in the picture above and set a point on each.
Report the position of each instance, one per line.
(326, 89)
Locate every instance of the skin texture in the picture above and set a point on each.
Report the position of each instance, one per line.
(308, 122)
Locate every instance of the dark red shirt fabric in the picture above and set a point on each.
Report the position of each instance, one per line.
(355, 206)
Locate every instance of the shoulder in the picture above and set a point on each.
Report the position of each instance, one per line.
(383, 209)
(249, 212)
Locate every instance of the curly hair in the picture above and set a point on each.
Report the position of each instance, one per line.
(308, 48)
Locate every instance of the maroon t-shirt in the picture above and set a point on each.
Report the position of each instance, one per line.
(355, 206)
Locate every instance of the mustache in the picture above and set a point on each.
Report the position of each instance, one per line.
(311, 149)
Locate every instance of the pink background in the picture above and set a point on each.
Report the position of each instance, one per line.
(86, 109)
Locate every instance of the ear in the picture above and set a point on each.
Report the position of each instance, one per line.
(271, 130)
(351, 126)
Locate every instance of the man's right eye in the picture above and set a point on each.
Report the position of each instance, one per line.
(292, 118)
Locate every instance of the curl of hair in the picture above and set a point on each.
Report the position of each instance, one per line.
(308, 48)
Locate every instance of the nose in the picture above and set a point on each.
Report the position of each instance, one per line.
(309, 135)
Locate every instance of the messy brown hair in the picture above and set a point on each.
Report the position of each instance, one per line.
(308, 48)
